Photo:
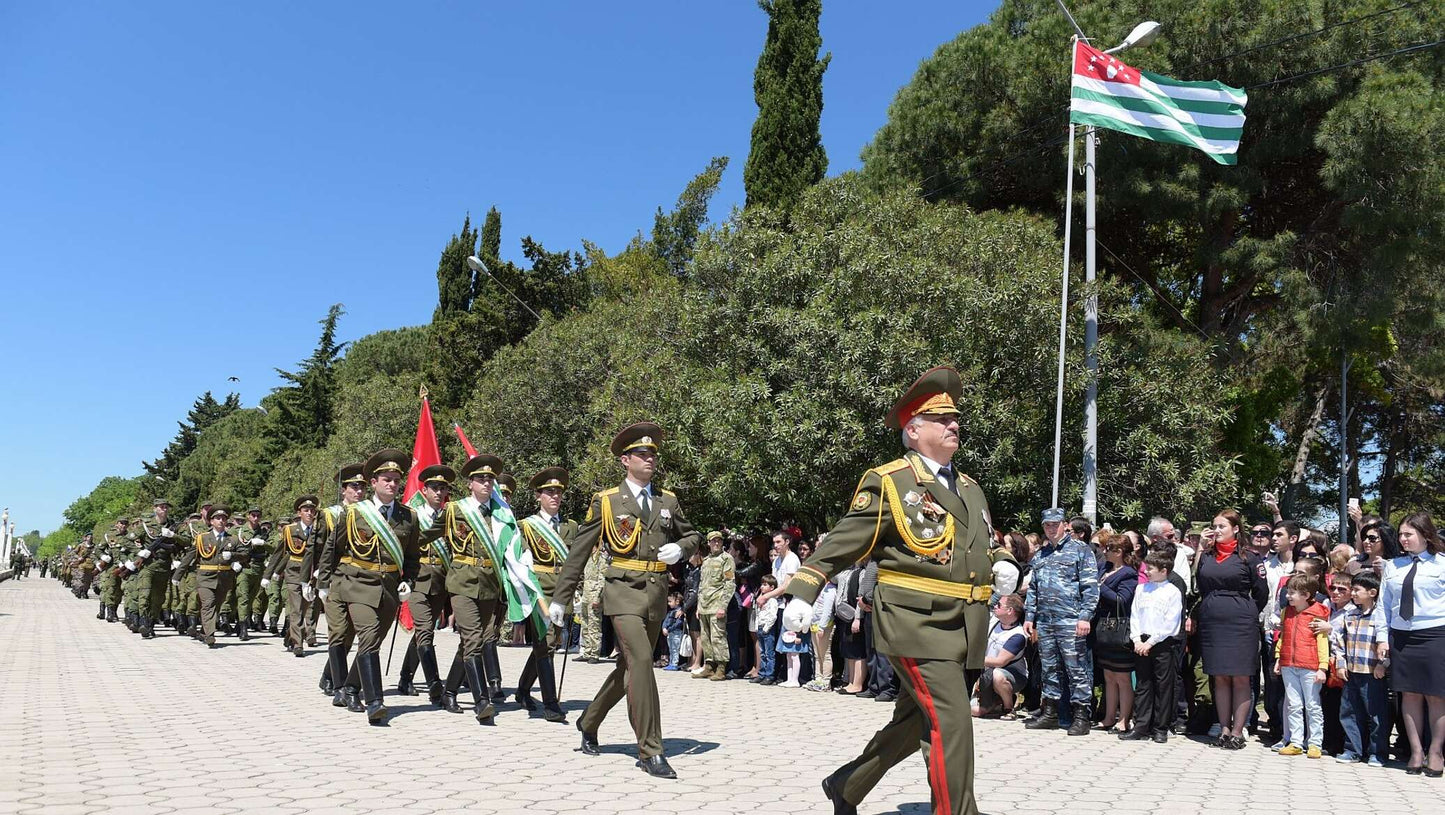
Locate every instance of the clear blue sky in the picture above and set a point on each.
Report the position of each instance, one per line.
(187, 186)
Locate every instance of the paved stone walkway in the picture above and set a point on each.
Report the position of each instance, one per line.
(100, 721)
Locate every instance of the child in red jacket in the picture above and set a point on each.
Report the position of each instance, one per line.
(1302, 658)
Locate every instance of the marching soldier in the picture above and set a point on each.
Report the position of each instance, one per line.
(274, 604)
(428, 600)
(290, 566)
(643, 532)
(474, 580)
(367, 566)
(82, 569)
(335, 679)
(183, 580)
(499, 625)
(548, 538)
(589, 608)
(111, 564)
(160, 546)
(214, 559)
(927, 526)
(716, 585)
(252, 553)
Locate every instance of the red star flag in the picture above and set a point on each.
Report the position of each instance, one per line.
(1207, 116)
(424, 453)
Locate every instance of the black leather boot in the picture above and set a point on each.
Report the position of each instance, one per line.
(524, 683)
(405, 684)
(494, 671)
(99, 615)
(147, 628)
(241, 630)
(427, 656)
(486, 711)
(352, 686)
(369, 667)
(334, 669)
(1048, 716)
(453, 683)
(1080, 725)
(110, 614)
(547, 678)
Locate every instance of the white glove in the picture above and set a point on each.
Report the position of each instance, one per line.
(176, 565)
(100, 564)
(225, 556)
(403, 589)
(236, 567)
(323, 594)
(671, 553)
(175, 582)
(265, 582)
(315, 573)
(105, 558)
(145, 553)
(557, 613)
(130, 565)
(257, 542)
(307, 592)
(798, 615)
(167, 533)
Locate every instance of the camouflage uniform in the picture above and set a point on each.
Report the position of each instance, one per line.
(1063, 590)
(587, 610)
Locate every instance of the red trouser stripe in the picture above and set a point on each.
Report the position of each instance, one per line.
(937, 771)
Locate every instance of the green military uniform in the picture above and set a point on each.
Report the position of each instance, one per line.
(160, 545)
(214, 558)
(715, 590)
(274, 604)
(371, 553)
(335, 680)
(183, 578)
(636, 526)
(114, 552)
(474, 584)
(928, 530)
(290, 569)
(252, 551)
(428, 599)
(82, 570)
(548, 538)
(589, 607)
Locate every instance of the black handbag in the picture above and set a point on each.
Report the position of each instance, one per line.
(1112, 632)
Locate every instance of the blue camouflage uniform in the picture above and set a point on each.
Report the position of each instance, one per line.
(1063, 589)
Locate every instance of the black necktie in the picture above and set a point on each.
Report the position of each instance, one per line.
(1407, 591)
(646, 504)
(386, 512)
(556, 524)
(945, 474)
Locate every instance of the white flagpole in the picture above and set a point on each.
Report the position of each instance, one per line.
(1064, 297)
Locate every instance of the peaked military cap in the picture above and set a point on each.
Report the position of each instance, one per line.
(549, 478)
(482, 464)
(439, 473)
(194, 516)
(506, 482)
(1053, 515)
(933, 394)
(303, 502)
(350, 474)
(253, 511)
(220, 509)
(386, 460)
(160, 502)
(640, 436)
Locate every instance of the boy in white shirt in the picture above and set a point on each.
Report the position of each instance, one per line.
(1154, 621)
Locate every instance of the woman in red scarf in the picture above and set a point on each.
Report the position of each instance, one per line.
(1231, 588)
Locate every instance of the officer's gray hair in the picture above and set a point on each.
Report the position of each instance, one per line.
(903, 434)
(1157, 525)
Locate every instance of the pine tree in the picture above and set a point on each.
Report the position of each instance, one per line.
(454, 277)
(787, 153)
(204, 412)
(675, 234)
(300, 412)
(492, 235)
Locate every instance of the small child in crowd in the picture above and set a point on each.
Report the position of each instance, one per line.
(1154, 620)
(1302, 658)
(675, 626)
(765, 624)
(1358, 638)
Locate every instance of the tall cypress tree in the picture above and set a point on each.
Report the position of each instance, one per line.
(204, 412)
(454, 277)
(492, 235)
(787, 153)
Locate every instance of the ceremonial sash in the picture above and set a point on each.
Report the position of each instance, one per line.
(520, 586)
(383, 530)
(426, 521)
(544, 530)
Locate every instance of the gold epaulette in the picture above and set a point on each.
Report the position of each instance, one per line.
(668, 492)
(609, 491)
(892, 467)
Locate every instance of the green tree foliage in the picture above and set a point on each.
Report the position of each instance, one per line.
(230, 463)
(55, 542)
(674, 234)
(112, 497)
(491, 247)
(454, 277)
(1326, 235)
(301, 411)
(787, 153)
(205, 412)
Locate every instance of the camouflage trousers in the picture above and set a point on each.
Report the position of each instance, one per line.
(591, 631)
(110, 588)
(1060, 648)
(190, 600)
(275, 601)
(714, 639)
(248, 588)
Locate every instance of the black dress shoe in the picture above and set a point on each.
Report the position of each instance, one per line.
(866, 694)
(526, 701)
(1162, 737)
(657, 767)
(589, 741)
(884, 697)
(1133, 735)
(834, 792)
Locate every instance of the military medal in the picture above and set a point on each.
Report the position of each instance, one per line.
(625, 524)
(665, 514)
(911, 498)
(930, 509)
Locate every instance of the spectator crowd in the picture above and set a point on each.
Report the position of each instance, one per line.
(1229, 630)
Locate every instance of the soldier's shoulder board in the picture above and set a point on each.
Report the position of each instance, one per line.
(669, 493)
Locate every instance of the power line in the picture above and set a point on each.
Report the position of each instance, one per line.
(1158, 295)
(1420, 47)
(1301, 36)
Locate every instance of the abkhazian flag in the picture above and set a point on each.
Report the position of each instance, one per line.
(1207, 116)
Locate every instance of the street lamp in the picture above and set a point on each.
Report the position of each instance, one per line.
(475, 264)
(1142, 34)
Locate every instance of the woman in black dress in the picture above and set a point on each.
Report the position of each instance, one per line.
(1231, 589)
(1116, 599)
